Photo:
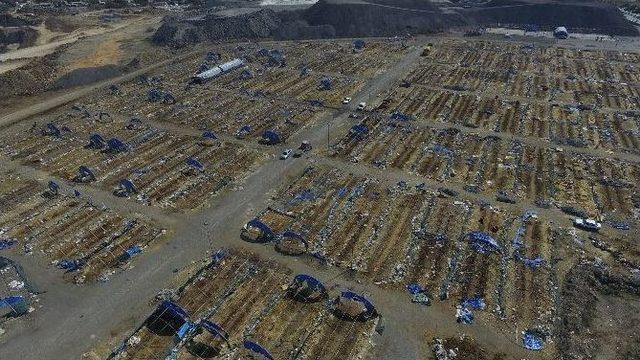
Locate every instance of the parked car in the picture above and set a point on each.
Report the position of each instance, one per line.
(346, 100)
(286, 154)
(362, 106)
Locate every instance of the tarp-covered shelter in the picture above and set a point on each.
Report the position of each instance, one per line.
(85, 175)
(167, 319)
(291, 243)
(96, 142)
(257, 231)
(115, 145)
(16, 305)
(271, 137)
(306, 288)
(257, 349)
(353, 307)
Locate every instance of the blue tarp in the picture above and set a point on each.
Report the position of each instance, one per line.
(209, 135)
(398, 116)
(218, 256)
(86, 172)
(115, 145)
(53, 187)
(7, 243)
(310, 281)
(304, 195)
(271, 137)
(418, 294)
(127, 186)
(70, 265)
(18, 304)
(214, 329)
(475, 303)
(532, 340)
(483, 242)
(325, 83)
(342, 192)
(173, 309)
(258, 349)
(245, 130)
(52, 130)
(195, 164)
(96, 142)
(184, 329)
(443, 150)
(358, 131)
(256, 223)
(350, 295)
(532, 263)
(292, 235)
(132, 250)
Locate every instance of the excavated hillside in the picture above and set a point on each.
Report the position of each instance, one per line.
(248, 24)
(577, 16)
(370, 18)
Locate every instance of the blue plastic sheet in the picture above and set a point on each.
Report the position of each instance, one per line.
(209, 135)
(359, 44)
(195, 164)
(256, 223)
(96, 142)
(532, 340)
(482, 242)
(214, 329)
(304, 195)
(184, 330)
(69, 265)
(18, 304)
(418, 294)
(258, 349)
(293, 235)
(398, 116)
(475, 303)
(350, 295)
(133, 250)
(533, 263)
(116, 145)
(7, 243)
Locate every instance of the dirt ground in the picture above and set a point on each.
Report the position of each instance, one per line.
(372, 229)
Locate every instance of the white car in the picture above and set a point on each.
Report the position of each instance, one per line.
(362, 106)
(587, 224)
(286, 154)
(346, 100)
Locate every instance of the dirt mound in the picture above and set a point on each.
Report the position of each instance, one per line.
(253, 24)
(32, 78)
(59, 24)
(383, 18)
(85, 76)
(23, 36)
(599, 309)
(579, 17)
(10, 20)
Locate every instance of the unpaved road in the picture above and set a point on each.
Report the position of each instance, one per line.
(74, 319)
